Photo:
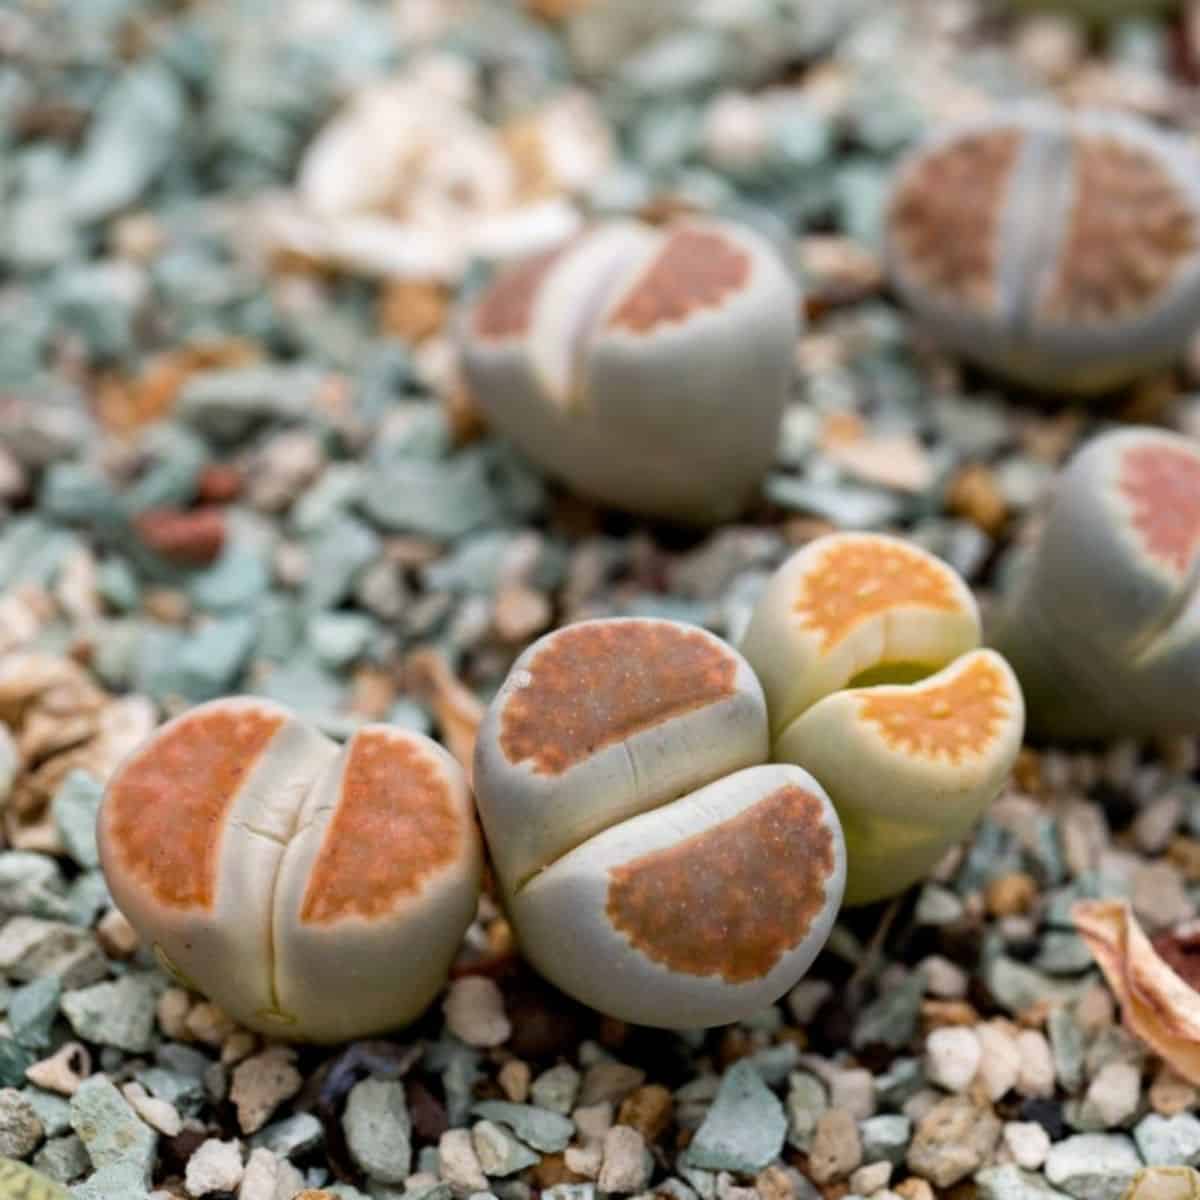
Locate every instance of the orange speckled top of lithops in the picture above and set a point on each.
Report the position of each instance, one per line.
(595, 685)
(505, 309)
(947, 721)
(946, 215)
(697, 907)
(166, 810)
(861, 578)
(1161, 485)
(395, 826)
(1129, 231)
(695, 269)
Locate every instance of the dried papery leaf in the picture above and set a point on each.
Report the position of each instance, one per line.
(1157, 1004)
(456, 708)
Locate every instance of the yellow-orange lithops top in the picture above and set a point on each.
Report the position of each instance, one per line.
(1059, 246)
(645, 367)
(866, 647)
(651, 865)
(314, 892)
(1102, 624)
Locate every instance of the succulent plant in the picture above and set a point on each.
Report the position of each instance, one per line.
(1059, 248)
(1101, 622)
(866, 648)
(314, 892)
(646, 368)
(651, 866)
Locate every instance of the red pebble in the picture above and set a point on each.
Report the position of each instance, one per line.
(218, 484)
(193, 538)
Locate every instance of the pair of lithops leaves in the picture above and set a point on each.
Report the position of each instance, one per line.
(645, 367)
(1102, 620)
(675, 824)
(1061, 248)
(315, 891)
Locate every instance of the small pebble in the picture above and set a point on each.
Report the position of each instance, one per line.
(216, 1166)
(952, 1057)
(474, 1010)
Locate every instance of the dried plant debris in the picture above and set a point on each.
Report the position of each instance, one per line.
(250, 445)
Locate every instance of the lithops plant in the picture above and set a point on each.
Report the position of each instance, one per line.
(652, 867)
(645, 367)
(1102, 623)
(867, 650)
(315, 892)
(1059, 248)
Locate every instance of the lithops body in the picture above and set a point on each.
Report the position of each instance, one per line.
(646, 368)
(1103, 623)
(867, 649)
(651, 865)
(1060, 248)
(315, 892)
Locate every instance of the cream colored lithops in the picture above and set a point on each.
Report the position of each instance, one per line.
(315, 892)
(1102, 623)
(1061, 248)
(867, 648)
(645, 367)
(652, 866)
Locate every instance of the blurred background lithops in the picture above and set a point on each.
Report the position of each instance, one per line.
(1101, 621)
(867, 650)
(652, 867)
(1058, 248)
(315, 892)
(644, 367)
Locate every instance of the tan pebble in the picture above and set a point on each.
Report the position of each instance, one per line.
(1000, 1064)
(648, 1110)
(209, 1024)
(412, 308)
(474, 1010)
(166, 605)
(63, 1071)
(1170, 1094)
(514, 1078)
(914, 1188)
(116, 935)
(240, 1044)
(584, 1161)
(1184, 852)
(871, 1178)
(975, 495)
(1011, 894)
(521, 612)
(173, 1008)
(936, 1013)
(261, 1084)
(159, 1114)
(774, 1184)
(836, 1147)
(1095, 1010)
(593, 1121)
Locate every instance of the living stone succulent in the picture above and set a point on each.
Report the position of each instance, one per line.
(1059, 248)
(867, 650)
(1102, 622)
(315, 892)
(645, 367)
(651, 866)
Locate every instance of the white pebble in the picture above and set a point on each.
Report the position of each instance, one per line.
(627, 1163)
(952, 1057)
(269, 1178)
(944, 979)
(1113, 1094)
(1027, 1142)
(475, 1012)
(458, 1163)
(215, 1167)
(853, 1090)
(1000, 1061)
(1035, 1076)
